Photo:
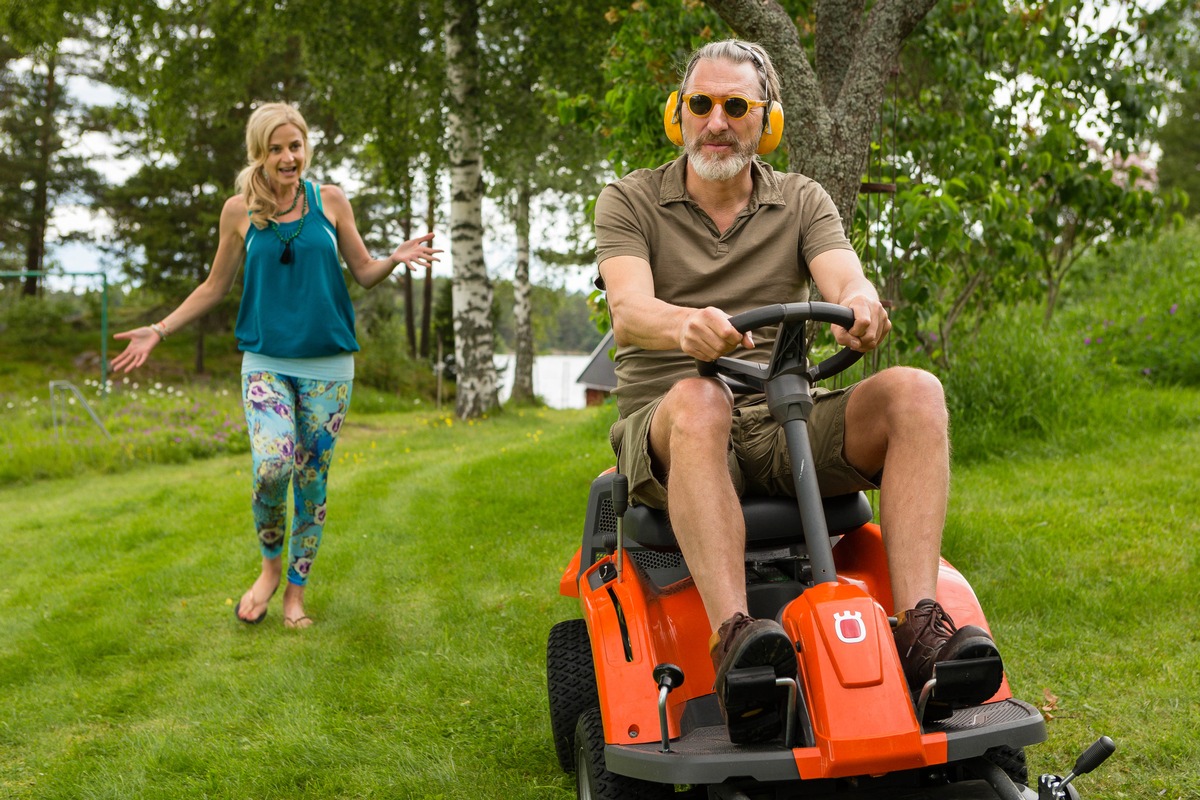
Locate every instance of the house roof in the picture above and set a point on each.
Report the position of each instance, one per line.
(600, 372)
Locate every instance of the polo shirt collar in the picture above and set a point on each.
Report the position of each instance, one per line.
(766, 184)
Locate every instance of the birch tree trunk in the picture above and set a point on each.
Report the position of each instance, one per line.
(427, 289)
(472, 291)
(522, 391)
(831, 111)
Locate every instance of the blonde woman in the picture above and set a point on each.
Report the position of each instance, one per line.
(295, 328)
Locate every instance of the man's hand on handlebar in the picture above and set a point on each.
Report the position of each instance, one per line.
(871, 325)
(707, 335)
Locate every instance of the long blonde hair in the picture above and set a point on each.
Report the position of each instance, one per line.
(252, 182)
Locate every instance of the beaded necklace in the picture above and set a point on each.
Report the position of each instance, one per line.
(286, 256)
(295, 199)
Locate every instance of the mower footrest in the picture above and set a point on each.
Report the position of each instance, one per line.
(750, 685)
(960, 681)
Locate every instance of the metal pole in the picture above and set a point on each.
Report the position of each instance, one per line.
(103, 334)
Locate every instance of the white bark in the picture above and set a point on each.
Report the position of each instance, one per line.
(472, 291)
(523, 305)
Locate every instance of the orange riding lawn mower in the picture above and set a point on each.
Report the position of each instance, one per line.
(632, 706)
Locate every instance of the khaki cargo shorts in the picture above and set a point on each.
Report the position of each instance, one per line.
(759, 462)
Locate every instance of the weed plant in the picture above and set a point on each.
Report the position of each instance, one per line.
(1140, 311)
(1012, 382)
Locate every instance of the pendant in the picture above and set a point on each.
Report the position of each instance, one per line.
(286, 258)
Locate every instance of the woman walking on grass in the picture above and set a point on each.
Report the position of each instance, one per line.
(295, 327)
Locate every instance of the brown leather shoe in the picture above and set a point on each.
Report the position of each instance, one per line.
(926, 635)
(754, 711)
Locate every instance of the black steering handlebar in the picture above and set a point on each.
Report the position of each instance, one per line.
(791, 316)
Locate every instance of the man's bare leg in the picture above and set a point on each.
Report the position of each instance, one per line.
(689, 438)
(896, 421)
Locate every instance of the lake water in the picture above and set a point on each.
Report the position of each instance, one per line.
(554, 379)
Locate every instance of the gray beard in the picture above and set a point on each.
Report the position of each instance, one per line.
(719, 168)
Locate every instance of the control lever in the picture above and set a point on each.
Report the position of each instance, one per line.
(620, 503)
(668, 677)
(1051, 787)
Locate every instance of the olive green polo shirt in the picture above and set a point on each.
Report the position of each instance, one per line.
(761, 259)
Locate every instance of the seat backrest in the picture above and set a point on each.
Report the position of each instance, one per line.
(770, 521)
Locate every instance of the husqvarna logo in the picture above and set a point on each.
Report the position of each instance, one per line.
(849, 626)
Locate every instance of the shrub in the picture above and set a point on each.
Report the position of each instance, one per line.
(385, 366)
(1142, 314)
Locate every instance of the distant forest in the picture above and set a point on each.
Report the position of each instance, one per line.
(562, 320)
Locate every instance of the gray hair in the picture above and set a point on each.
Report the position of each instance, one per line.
(737, 52)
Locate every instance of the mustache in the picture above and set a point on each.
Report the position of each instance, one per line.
(712, 138)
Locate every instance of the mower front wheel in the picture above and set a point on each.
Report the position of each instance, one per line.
(593, 781)
(571, 683)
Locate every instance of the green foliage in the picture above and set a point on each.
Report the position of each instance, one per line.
(650, 46)
(41, 127)
(560, 320)
(1176, 48)
(1000, 193)
(384, 363)
(1142, 312)
(47, 319)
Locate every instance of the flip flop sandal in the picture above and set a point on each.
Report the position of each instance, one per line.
(237, 612)
(294, 622)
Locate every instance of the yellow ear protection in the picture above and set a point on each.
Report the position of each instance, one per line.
(772, 133)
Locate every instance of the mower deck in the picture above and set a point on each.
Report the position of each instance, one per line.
(705, 755)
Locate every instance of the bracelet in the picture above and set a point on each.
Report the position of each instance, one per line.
(160, 329)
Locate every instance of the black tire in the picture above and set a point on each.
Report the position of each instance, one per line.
(1012, 761)
(593, 781)
(571, 684)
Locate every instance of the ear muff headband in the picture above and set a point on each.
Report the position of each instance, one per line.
(772, 133)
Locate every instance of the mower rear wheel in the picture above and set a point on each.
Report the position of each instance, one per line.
(593, 781)
(1012, 761)
(571, 683)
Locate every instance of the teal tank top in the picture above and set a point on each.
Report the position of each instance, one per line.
(301, 309)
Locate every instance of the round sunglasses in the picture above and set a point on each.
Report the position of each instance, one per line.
(735, 106)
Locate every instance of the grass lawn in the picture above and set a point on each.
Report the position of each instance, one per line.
(124, 674)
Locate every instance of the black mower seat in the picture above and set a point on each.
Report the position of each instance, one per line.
(770, 521)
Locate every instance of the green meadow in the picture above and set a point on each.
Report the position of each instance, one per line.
(124, 673)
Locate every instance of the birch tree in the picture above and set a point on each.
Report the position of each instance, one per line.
(537, 55)
(472, 290)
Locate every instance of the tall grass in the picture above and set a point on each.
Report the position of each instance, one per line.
(1013, 382)
(1140, 309)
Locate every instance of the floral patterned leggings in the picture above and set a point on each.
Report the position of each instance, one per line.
(293, 425)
